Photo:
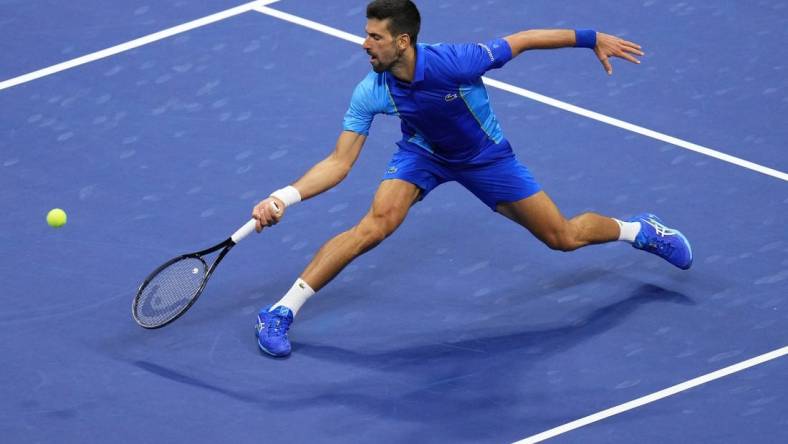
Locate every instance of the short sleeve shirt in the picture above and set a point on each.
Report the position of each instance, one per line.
(445, 111)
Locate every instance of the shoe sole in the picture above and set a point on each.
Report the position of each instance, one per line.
(689, 248)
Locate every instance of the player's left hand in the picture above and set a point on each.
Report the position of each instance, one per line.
(611, 46)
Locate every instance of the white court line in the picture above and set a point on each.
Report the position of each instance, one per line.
(655, 396)
(133, 43)
(310, 24)
(636, 129)
(550, 101)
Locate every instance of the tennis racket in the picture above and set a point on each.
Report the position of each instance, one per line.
(174, 287)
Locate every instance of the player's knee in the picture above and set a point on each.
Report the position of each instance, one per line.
(372, 231)
(370, 235)
(561, 240)
(377, 225)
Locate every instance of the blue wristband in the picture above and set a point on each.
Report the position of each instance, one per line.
(585, 38)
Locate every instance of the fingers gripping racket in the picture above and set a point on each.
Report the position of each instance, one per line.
(174, 287)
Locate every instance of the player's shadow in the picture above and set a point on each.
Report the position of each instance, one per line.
(446, 383)
(549, 340)
(443, 382)
(193, 381)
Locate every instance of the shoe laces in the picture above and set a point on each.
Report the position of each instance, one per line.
(278, 325)
(660, 246)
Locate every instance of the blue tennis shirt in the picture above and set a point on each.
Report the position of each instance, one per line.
(445, 110)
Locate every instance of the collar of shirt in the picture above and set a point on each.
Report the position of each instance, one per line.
(418, 70)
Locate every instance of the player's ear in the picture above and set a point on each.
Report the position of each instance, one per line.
(403, 41)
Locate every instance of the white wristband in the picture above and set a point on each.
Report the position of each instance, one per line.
(289, 195)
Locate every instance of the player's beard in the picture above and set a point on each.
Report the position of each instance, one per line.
(380, 67)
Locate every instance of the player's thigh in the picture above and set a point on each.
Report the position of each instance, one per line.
(538, 213)
(391, 203)
(499, 180)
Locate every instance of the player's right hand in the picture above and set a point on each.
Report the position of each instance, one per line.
(268, 212)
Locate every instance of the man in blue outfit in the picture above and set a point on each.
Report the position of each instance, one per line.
(449, 133)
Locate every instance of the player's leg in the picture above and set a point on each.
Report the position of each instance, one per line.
(390, 205)
(539, 214)
(507, 187)
(645, 232)
(392, 201)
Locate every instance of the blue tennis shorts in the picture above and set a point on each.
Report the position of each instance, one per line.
(494, 176)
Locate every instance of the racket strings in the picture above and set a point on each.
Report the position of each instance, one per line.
(170, 291)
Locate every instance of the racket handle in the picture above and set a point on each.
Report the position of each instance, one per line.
(249, 227)
(244, 231)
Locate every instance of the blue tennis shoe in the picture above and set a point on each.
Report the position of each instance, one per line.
(663, 241)
(272, 326)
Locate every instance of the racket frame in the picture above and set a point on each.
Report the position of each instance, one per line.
(227, 244)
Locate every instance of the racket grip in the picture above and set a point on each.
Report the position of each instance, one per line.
(244, 231)
(249, 227)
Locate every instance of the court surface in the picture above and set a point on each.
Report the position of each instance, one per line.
(459, 328)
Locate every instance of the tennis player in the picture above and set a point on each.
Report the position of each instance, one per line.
(449, 133)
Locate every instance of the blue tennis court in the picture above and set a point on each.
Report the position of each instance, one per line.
(461, 327)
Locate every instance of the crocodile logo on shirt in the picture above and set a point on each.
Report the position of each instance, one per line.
(450, 97)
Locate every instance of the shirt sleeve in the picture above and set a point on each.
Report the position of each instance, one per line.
(472, 60)
(365, 103)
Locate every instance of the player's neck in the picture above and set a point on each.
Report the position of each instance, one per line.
(406, 66)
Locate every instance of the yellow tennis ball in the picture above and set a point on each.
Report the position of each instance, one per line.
(56, 218)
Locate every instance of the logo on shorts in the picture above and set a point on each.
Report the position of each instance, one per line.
(391, 170)
(450, 97)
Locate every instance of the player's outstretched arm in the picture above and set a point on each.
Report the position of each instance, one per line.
(604, 45)
(323, 176)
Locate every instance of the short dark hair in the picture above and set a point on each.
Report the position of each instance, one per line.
(404, 17)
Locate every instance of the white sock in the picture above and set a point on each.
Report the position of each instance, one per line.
(296, 297)
(629, 230)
